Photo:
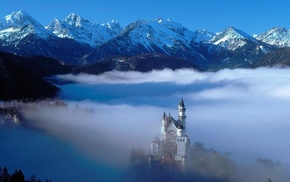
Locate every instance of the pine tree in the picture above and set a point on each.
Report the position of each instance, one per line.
(0, 174)
(18, 176)
(5, 175)
(33, 178)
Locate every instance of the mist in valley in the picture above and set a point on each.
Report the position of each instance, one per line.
(237, 121)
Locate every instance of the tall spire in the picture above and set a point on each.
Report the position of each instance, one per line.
(181, 103)
(181, 113)
(164, 116)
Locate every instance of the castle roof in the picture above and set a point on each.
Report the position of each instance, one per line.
(169, 119)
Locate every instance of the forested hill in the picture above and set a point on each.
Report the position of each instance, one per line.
(19, 83)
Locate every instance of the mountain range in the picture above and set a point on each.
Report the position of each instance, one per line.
(81, 43)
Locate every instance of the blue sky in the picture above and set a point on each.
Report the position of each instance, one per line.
(250, 16)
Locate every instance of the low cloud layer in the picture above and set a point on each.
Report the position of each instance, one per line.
(244, 112)
(262, 81)
(133, 77)
(105, 133)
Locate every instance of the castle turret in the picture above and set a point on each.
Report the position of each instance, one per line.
(181, 113)
(163, 126)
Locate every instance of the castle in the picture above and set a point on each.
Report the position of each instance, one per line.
(170, 150)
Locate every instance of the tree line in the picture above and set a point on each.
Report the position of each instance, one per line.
(17, 176)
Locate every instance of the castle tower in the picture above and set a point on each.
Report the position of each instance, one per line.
(181, 113)
(174, 143)
(163, 126)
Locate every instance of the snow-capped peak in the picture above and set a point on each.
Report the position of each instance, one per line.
(278, 36)
(21, 24)
(18, 19)
(113, 25)
(232, 38)
(84, 31)
(170, 24)
(159, 20)
(158, 34)
(76, 20)
(162, 20)
(233, 33)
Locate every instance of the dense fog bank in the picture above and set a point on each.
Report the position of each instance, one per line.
(240, 115)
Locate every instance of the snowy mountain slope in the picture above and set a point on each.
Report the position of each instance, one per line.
(82, 30)
(156, 36)
(277, 36)
(231, 38)
(234, 48)
(202, 35)
(18, 25)
(19, 19)
(23, 35)
(76, 40)
(158, 33)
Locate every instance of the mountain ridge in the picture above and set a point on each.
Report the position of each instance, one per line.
(17, 18)
(77, 45)
(21, 34)
(278, 36)
(83, 30)
(78, 41)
